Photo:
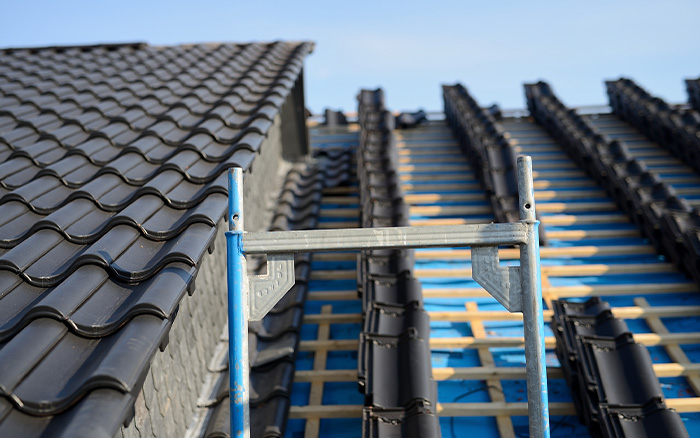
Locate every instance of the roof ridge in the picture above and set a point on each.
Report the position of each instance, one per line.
(143, 44)
(84, 47)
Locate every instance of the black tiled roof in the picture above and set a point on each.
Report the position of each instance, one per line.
(112, 181)
(333, 118)
(693, 87)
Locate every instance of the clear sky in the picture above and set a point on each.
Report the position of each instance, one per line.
(409, 48)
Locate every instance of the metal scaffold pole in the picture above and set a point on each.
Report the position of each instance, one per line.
(237, 310)
(533, 321)
(517, 288)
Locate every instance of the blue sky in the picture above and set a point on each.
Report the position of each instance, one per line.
(409, 48)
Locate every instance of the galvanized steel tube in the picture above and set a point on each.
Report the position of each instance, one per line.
(537, 394)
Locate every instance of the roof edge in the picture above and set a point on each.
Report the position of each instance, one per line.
(142, 44)
(108, 46)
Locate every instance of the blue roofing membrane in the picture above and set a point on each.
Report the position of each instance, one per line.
(436, 137)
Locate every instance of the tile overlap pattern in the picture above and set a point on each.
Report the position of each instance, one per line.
(113, 167)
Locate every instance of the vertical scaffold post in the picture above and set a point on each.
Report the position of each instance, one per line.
(237, 309)
(538, 404)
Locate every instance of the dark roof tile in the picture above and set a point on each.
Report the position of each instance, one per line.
(90, 302)
(394, 368)
(115, 182)
(398, 423)
(117, 361)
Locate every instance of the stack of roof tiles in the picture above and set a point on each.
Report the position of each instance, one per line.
(491, 154)
(668, 220)
(408, 120)
(112, 181)
(395, 371)
(693, 87)
(333, 118)
(611, 377)
(274, 341)
(676, 130)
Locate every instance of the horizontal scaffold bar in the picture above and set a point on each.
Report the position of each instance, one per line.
(285, 242)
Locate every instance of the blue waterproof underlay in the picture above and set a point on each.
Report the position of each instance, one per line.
(467, 391)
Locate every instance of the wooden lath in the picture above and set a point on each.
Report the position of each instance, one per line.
(477, 409)
(466, 342)
(484, 373)
(494, 387)
(580, 291)
(632, 312)
(674, 351)
(313, 425)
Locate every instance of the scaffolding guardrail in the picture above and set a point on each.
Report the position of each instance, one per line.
(517, 288)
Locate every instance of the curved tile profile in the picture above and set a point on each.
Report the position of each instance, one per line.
(118, 361)
(605, 368)
(394, 369)
(113, 165)
(109, 405)
(80, 222)
(46, 259)
(257, 69)
(108, 192)
(133, 165)
(89, 302)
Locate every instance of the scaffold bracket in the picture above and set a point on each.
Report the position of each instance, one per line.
(266, 290)
(502, 282)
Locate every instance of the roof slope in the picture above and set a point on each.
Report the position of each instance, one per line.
(112, 181)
